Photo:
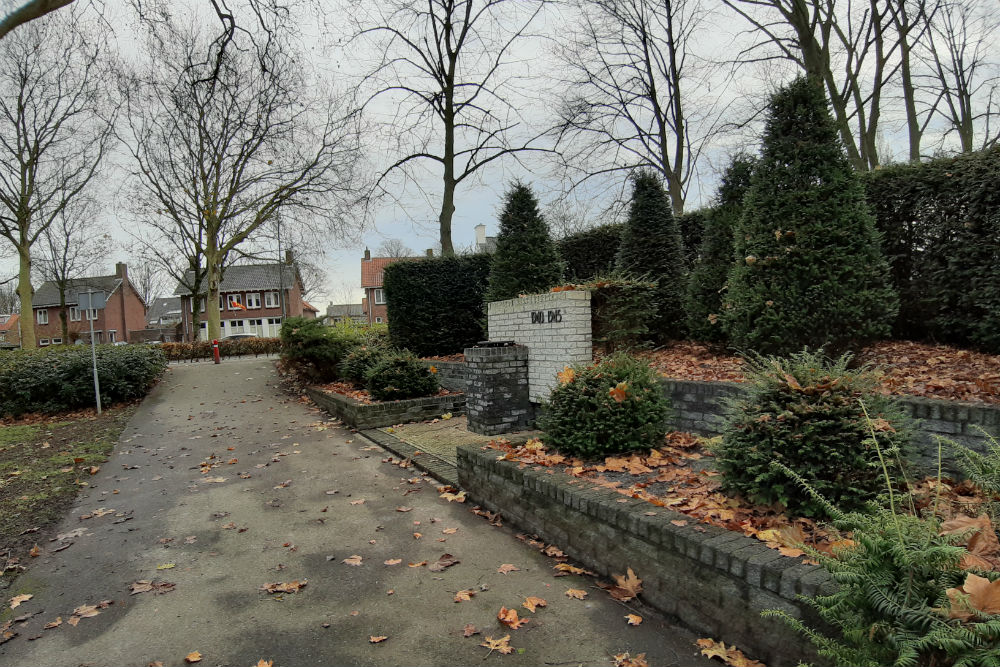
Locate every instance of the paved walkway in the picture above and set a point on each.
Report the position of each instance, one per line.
(299, 497)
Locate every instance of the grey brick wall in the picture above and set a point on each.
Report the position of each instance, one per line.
(376, 415)
(552, 345)
(698, 407)
(716, 582)
(497, 397)
(452, 375)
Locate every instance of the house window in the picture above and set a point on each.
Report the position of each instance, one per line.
(271, 300)
(74, 313)
(379, 297)
(91, 313)
(220, 302)
(43, 318)
(236, 326)
(43, 341)
(378, 320)
(234, 301)
(57, 341)
(204, 325)
(112, 335)
(204, 301)
(253, 301)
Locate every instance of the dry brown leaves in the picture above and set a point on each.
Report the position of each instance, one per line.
(507, 568)
(531, 603)
(502, 644)
(284, 587)
(628, 660)
(912, 369)
(729, 655)
(981, 541)
(509, 618)
(145, 586)
(348, 389)
(443, 563)
(976, 597)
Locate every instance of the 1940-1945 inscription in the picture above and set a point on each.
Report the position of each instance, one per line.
(546, 316)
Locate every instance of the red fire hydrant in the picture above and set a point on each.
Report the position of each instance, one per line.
(215, 351)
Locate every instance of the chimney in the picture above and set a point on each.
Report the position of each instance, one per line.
(368, 255)
(121, 270)
(480, 236)
(289, 257)
(430, 252)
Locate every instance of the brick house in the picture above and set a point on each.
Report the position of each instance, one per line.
(266, 292)
(10, 331)
(373, 302)
(124, 311)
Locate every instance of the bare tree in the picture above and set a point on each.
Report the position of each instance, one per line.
(220, 153)
(635, 95)
(911, 20)
(9, 301)
(71, 246)
(443, 66)
(148, 279)
(55, 130)
(964, 71)
(393, 248)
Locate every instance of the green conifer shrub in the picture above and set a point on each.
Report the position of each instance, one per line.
(612, 406)
(526, 260)
(805, 413)
(590, 253)
(809, 270)
(706, 285)
(651, 249)
(400, 376)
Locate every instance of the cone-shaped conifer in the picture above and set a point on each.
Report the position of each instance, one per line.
(809, 270)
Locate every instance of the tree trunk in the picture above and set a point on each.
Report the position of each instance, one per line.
(212, 314)
(448, 197)
(24, 292)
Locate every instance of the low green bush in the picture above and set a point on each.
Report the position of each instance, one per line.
(356, 364)
(615, 405)
(238, 347)
(806, 412)
(61, 378)
(621, 309)
(314, 349)
(400, 376)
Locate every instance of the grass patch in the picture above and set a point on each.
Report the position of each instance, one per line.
(43, 465)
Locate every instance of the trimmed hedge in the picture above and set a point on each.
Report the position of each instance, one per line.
(940, 222)
(436, 305)
(314, 349)
(691, 225)
(61, 378)
(239, 347)
(400, 376)
(590, 253)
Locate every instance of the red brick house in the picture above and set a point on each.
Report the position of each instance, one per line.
(267, 293)
(10, 331)
(124, 312)
(373, 302)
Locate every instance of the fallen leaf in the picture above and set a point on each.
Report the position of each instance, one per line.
(501, 644)
(454, 497)
(166, 566)
(285, 587)
(377, 640)
(679, 522)
(450, 531)
(626, 660)
(265, 663)
(53, 624)
(977, 596)
(633, 619)
(464, 596)
(576, 593)
(571, 569)
(618, 393)
(393, 561)
(35, 552)
(509, 618)
(16, 601)
(403, 508)
(353, 560)
(507, 568)
(420, 564)
(444, 562)
(86, 611)
(417, 536)
(193, 656)
(628, 586)
(531, 602)
(73, 620)
(213, 480)
(469, 630)
(359, 501)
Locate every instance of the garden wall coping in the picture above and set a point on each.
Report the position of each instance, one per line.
(386, 413)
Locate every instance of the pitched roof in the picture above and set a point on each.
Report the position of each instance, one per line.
(48, 294)
(242, 277)
(345, 310)
(163, 306)
(10, 324)
(371, 269)
(308, 306)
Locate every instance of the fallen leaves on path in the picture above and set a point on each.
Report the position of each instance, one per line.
(507, 568)
(145, 586)
(53, 624)
(629, 586)
(214, 480)
(285, 587)
(469, 630)
(576, 593)
(502, 644)
(627, 660)
(454, 497)
(353, 560)
(359, 501)
(420, 564)
(377, 640)
(193, 656)
(730, 655)
(633, 619)
(393, 561)
(509, 618)
(531, 603)
(88, 611)
(443, 563)
(465, 596)
(265, 663)
(570, 569)
(981, 541)
(16, 601)
(166, 566)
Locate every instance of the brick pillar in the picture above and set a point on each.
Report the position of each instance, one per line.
(496, 400)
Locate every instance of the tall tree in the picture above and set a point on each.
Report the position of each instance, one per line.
(636, 97)
(526, 260)
(221, 146)
(809, 268)
(55, 129)
(147, 277)
(444, 66)
(69, 248)
(393, 248)
(651, 249)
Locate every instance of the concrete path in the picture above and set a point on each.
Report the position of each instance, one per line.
(299, 498)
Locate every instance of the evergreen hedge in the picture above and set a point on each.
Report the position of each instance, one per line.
(691, 226)
(526, 260)
(651, 249)
(436, 305)
(941, 225)
(590, 253)
(809, 269)
(61, 378)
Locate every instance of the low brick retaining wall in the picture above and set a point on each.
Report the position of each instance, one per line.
(698, 409)
(376, 415)
(712, 580)
(452, 375)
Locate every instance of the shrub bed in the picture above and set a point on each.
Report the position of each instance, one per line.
(61, 378)
(313, 349)
(400, 376)
(239, 347)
